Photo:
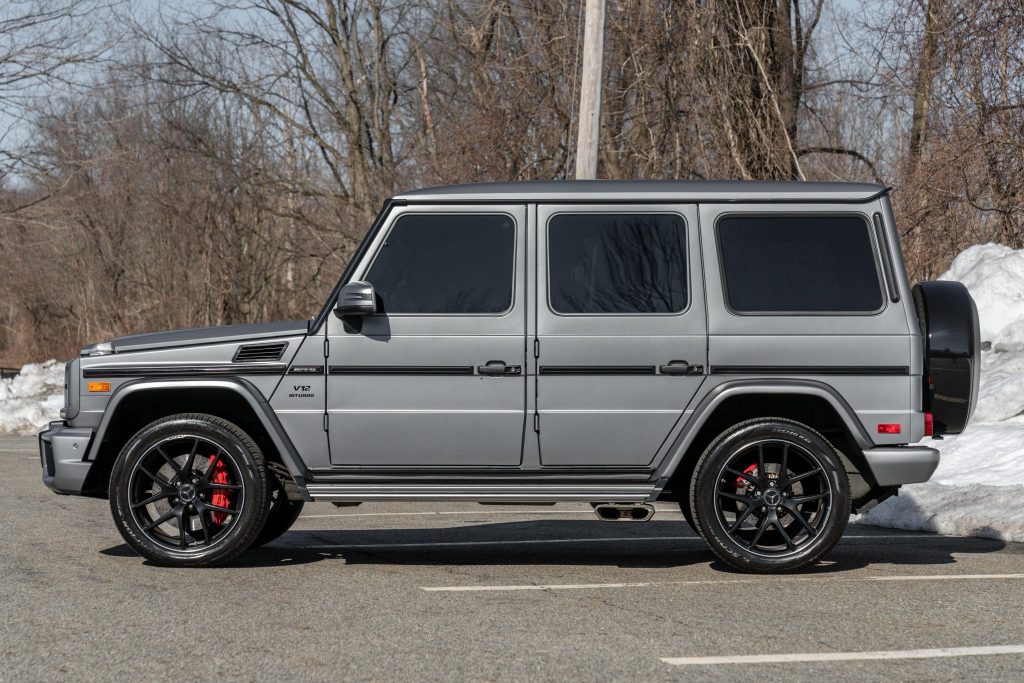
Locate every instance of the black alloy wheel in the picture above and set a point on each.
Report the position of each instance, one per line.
(770, 495)
(189, 490)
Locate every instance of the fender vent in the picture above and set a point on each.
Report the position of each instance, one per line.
(255, 353)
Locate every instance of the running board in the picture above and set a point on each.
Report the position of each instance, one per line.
(488, 493)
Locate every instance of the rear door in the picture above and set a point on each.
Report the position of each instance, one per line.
(621, 331)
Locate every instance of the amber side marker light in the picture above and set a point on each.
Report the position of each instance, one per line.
(890, 428)
(99, 387)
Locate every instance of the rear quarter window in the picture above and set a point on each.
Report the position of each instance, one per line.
(807, 264)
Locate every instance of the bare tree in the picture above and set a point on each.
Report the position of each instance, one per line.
(43, 44)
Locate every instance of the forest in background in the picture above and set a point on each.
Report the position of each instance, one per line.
(216, 161)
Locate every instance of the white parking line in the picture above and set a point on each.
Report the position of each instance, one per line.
(707, 582)
(931, 653)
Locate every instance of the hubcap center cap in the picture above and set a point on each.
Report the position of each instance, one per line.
(187, 493)
(772, 497)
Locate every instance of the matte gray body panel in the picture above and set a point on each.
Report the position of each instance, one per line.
(895, 465)
(590, 418)
(300, 399)
(158, 362)
(432, 413)
(882, 339)
(208, 335)
(69, 446)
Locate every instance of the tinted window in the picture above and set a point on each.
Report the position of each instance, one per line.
(446, 264)
(801, 264)
(617, 263)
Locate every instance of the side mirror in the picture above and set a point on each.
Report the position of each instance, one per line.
(356, 299)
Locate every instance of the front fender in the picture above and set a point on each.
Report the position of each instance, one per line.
(261, 409)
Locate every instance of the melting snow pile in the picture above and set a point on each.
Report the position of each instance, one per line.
(32, 398)
(980, 480)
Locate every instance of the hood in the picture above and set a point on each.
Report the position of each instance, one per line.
(204, 335)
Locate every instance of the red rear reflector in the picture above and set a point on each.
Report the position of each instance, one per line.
(929, 425)
(889, 429)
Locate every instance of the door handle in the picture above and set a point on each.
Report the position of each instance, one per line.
(681, 367)
(498, 368)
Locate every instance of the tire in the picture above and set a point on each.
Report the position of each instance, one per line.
(759, 518)
(280, 517)
(189, 490)
(684, 506)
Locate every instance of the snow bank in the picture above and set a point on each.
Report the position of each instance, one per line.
(980, 480)
(32, 398)
(994, 274)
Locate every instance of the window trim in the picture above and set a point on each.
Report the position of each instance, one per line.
(386, 233)
(864, 218)
(628, 211)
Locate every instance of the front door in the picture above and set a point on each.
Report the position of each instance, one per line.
(621, 331)
(435, 378)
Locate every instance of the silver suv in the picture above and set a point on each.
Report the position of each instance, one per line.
(750, 350)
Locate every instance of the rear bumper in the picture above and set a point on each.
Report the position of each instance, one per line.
(62, 452)
(895, 465)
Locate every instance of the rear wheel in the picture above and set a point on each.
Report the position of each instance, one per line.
(189, 491)
(770, 495)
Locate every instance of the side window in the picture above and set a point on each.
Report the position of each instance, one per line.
(446, 263)
(799, 264)
(617, 263)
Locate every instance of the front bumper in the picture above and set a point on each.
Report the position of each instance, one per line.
(895, 465)
(62, 452)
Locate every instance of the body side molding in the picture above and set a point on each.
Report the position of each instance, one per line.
(401, 370)
(866, 370)
(169, 370)
(597, 370)
(264, 413)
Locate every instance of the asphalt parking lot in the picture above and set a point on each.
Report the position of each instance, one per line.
(470, 592)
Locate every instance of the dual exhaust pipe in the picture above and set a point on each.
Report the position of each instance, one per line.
(624, 512)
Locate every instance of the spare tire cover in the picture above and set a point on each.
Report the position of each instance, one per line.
(952, 353)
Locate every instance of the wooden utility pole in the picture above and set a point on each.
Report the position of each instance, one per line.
(926, 69)
(590, 91)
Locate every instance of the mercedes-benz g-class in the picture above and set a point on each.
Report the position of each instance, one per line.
(750, 350)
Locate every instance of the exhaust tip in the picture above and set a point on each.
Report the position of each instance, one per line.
(624, 512)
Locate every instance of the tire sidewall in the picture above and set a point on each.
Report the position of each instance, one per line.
(248, 460)
(281, 515)
(704, 503)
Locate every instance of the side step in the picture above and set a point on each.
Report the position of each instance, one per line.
(480, 493)
(624, 512)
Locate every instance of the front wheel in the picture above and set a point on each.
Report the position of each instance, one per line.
(770, 495)
(189, 491)
(282, 514)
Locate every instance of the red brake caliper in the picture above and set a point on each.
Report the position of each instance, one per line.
(741, 482)
(220, 496)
